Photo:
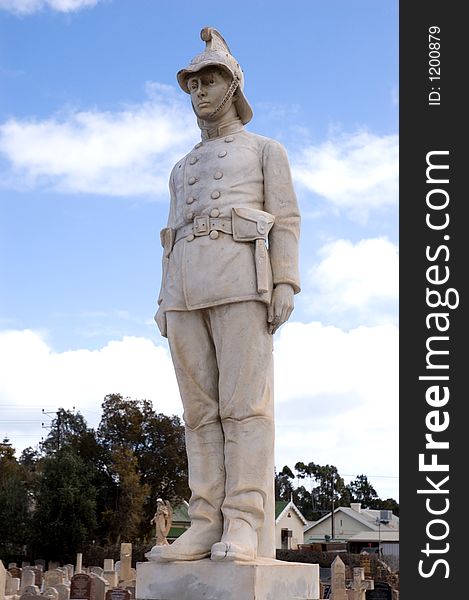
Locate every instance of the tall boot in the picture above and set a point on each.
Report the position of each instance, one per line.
(205, 447)
(248, 489)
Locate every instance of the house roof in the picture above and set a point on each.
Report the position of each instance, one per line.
(375, 536)
(282, 507)
(180, 514)
(367, 517)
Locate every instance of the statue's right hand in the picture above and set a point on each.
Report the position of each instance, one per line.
(160, 319)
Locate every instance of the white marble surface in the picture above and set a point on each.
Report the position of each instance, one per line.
(206, 580)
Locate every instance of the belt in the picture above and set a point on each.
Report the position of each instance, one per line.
(203, 225)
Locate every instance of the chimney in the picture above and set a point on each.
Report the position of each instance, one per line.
(356, 506)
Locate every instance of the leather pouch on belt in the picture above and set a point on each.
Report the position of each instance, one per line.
(253, 225)
(167, 240)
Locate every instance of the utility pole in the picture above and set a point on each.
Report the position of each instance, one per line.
(58, 425)
(332, 512)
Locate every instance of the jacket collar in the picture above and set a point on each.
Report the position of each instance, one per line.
(224, 128)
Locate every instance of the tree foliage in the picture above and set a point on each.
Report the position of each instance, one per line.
(322, 488)
(14, 502)
(100, 487)
(91, 487)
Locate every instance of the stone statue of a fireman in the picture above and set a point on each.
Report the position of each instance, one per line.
(230, 271)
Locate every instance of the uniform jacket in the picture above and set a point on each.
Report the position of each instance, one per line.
(236, 169)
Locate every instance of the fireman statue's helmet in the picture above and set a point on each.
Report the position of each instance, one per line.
(217, 53)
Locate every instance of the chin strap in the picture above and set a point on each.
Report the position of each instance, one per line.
(229, 94)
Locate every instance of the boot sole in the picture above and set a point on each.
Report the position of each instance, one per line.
(184, 557)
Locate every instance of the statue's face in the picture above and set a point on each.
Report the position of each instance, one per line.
(207, 89)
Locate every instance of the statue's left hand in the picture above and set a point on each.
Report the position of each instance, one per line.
(281, 306)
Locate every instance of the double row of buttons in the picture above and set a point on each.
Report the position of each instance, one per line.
(217, 176)
(192, 179)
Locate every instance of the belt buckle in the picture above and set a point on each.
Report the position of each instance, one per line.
(201, 225)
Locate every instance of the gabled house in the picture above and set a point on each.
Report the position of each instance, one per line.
(363, 529)
(289, 525)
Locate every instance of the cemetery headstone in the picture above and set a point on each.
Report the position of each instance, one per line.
(53, 564)
(29, 596)
(51, 593)
(112, 578)
(3, 580)
(52, 578)
(360, 585)
(338, 590)
(13, 586)
(78, 565)
(81, 587)
(63, 590)
(97, 571)
(126, 562)
(108, 564)
(117, 594)
(100, 587)
(28, 577)
(15, 571)
(38, 575)
(32, 589)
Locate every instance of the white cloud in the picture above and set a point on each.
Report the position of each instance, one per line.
(335, 391)
(354, 283)
(355, 172)
(35, 376)
(25, 7)
(336, 395)
(125, 153)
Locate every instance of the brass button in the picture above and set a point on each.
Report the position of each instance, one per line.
(218, 175)
(214, 235)
(198, 145)
(222, 153)
(193, 160)
(189, 215)
(190, 237)
(215, 194)
(192, 180)
(214, 212)
(190, 200)
(229, 138)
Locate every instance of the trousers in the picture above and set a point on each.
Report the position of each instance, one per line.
(223, 362)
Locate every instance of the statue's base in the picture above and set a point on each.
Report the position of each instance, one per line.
(208, 580)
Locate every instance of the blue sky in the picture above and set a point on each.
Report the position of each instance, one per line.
(91, 122)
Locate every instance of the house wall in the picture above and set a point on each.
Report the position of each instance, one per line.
(344, 527)
(294, 524)
(390, 548)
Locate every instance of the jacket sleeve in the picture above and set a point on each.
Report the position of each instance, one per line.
(280, 200)
(170, 224)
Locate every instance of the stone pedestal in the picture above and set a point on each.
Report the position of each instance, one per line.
(208, 580)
